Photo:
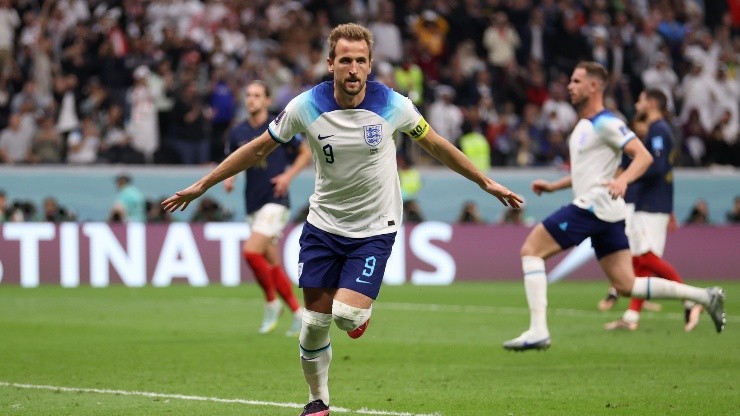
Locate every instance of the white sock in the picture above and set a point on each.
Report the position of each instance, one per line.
(315, 350)
(657, 288)
(535, 286)
(631, 316)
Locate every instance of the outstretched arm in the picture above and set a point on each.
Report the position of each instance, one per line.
(539, 186)
(243, 158)
(456, 160)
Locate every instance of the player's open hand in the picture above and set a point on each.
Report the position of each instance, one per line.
(539, 186)
(504, 195)
(181, 199)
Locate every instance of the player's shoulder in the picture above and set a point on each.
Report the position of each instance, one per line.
(661, 127)
(607, 121)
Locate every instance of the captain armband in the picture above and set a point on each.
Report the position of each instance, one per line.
(421, 130)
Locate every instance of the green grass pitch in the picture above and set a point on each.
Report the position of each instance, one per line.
(429, 350)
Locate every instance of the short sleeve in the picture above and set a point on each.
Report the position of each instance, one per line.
(291, 120)
(615, 132)
(407, 117)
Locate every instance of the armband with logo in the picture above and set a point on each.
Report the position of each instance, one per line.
(421, 130)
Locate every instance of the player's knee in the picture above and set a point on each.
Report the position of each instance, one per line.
(349, 317)
(315, 330)
(622, 288)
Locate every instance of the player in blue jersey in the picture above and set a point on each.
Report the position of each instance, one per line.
(356, 208)
(650, 198)
(597, 211)
(266, 201)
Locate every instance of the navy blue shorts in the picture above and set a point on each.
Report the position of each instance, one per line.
(571, 224)
(331, 261)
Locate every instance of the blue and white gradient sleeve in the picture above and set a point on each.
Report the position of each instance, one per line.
(613, 131)
(292, 120)
(405, 117)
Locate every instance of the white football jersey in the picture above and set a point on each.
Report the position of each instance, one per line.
(595, 153)
(357, 191)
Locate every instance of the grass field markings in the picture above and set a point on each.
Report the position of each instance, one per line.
(431, 307)
(362, 411)
(512, 310)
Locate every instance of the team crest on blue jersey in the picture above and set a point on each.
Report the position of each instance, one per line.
(373, 134)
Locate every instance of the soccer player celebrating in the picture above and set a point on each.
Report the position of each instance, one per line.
(356, 208)
(651, 198)
(598, 211)
(266, 201)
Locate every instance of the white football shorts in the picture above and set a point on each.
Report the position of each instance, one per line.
(646, 231)
(270, 220)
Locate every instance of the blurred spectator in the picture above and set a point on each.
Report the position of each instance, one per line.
(189, 121)
(21, 211)
(513, 216)
(209, 210)
(155, 213)
(96, 103)
(223, 106)
(536, 39)
(733, 215)
(55, 213)
(660, 75)
(84, 143)
(569, 45)
(536, 89)
(429, 29)
(693, 149)
(475, 146)
(409, 176)
(695, 91)
(143, 126)
(9, 22)
(116, 144)
(699, 214)
(412, 211)
(410, 78)
(162, 86)
(47, 146)
(501, 41)
(470, 214)
(557, 111)
(65, 87)
(388, 42)
(16, 139)
(445, 117)
(130, 205)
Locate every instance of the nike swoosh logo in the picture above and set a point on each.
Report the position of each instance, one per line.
(325, 137)
(309, 359)
(359, 280)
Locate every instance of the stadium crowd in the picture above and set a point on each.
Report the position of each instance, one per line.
(159, 81)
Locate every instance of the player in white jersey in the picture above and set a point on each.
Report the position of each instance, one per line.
(597, 211)
(356, 208)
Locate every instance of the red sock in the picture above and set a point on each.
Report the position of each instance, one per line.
(285, 287)
(659, 267)
(640, 271)
(262, 273)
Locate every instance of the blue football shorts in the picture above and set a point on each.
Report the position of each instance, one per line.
(571, 224)
(327, 260)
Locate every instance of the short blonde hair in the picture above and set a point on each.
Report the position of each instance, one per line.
(595, 70)
(352, 32)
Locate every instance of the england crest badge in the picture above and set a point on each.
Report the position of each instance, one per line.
(373, 134)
